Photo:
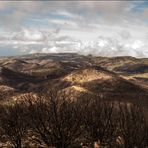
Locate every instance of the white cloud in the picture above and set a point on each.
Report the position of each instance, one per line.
(119, 44)
(108, 28)
(36, 35)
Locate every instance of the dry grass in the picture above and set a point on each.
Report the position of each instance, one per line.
(86, 75)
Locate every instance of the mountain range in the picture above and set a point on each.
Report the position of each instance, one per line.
(116, 78)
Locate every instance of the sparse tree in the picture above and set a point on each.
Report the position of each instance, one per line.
(13, 123)
(56, 119)
(99, 122)
(133, 127)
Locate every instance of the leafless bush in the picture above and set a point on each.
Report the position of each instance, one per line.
(133, 128)
(99, 122)
(13, 123)
(56, 119)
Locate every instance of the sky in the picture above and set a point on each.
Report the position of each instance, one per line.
(101, 28)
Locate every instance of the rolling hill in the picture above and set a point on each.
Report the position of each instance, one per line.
(117, 78)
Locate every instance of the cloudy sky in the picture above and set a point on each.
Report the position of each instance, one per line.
(104, 28)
